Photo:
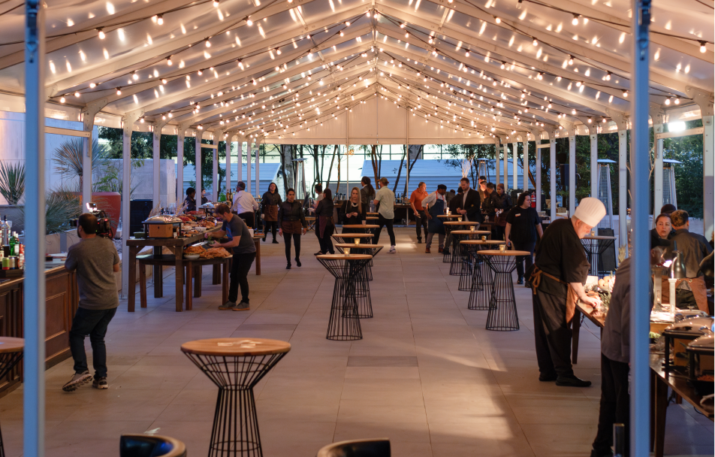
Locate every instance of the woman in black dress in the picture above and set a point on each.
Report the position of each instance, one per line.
(270, 202)
(291, 221)
(522, 226)
(353, 209)
(324, 226)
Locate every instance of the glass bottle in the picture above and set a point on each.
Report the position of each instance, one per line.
(5, 231)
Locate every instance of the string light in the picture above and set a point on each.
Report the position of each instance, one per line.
(497, 19)
(215, 3)
(702, 46)
(168, 61)
(62, 100)
(119, 91)
(574, 21)
(208, 43)
(625, 93)
(249, 22)
(101, 34)
(92, 85)
(535, 42)
(570, 59)
(160, 19)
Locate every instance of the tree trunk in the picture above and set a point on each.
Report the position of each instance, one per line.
(373, 159)
(330, 170)
(399, 170)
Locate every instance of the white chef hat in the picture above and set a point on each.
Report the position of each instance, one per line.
(590, 211)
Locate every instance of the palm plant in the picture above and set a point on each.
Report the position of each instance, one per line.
(61, 205)
(68, 158)
(12, 182)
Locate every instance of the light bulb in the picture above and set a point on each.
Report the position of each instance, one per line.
(702, 47)
(164, 81)
(135, 76)
(625, 93)
(574, 21)
(589, 120)
(667, 101)
(570, 60)
(119, 91)
(466, 54)
(101, 34)
(249, 22)
(168, 61)
(497, 19)
(62, 99)
(200, 72)
(92, 85)
(407, 35)
(208, 43)
(677, 100)
(215, 3)
(535, 42)
(160, 19)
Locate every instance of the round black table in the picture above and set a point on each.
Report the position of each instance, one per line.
(362, 290)
(502, 306)
(348, 270)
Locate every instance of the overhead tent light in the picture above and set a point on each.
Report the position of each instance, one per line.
(574, 21)
(100, 33)
(676, 126)
(702, 46)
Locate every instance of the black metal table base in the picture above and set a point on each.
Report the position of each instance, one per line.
(350, 281)
(465, 273)
(480, 293)
(502, 306)
(594, 249)
(8, 361)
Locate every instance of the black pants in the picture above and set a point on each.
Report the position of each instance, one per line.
(553, 348)
(296, 240)
(520, 259)
(249, 218)
(92, 322)
(421, 221)
(273, 225)
(382, 222)
(615, 404)
(499, 232)
(239, 276)
(326, 242)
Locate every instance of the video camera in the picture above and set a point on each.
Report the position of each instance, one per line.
(104, 224)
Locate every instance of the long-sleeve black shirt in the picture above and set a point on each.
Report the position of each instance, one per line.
(693, 249)
(561, 255)
(270, 199)
(290, 212)
(348, 207)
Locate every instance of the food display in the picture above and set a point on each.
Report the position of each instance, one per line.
(602, 289)
(215, 253)
(196, 249)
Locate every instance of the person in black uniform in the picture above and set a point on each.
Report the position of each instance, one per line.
(470, 203)
(324, 226)
(353, 210)
(453, 206)
(291, 223)
(269, 204)
(522, 225)
(557, 280)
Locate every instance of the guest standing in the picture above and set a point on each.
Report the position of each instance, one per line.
(656, 239)
(416, 198)
(204, 198)
(244, 205)
(470, 203)
(522, 226)
(502, 204)
(190, 200)
(386, 214)
(367, 194)
(434, 206)
(291, 221)
(324, 222)
(353, 209)
(243, 248)
(270, 201)
(557, 280)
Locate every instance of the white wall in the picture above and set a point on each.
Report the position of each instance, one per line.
(143, 180)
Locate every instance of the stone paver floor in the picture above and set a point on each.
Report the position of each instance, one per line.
(427, 374)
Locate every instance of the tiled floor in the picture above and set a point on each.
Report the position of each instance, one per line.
(427, 374)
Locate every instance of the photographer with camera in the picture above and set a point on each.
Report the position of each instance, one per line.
(95, 260)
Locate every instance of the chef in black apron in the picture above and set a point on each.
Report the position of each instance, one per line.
(557, 279)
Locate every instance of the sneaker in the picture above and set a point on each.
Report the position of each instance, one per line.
(227, 305)
(100, 383)
(427, 251)
(243, 306)
(77, 381)
(393, 250)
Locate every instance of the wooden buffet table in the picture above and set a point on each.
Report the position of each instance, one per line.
(61, 302)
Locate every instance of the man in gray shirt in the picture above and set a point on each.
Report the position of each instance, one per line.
(386, 214)
(95, 260)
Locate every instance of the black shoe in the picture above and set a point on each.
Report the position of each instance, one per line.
(264, 239)
(445, 251)
(275, 241)
(520, 281)
(297, 262)
(547, 378)
(419, 240)
(319, 253)
(572, 381)
(288, 266)
(595, 453)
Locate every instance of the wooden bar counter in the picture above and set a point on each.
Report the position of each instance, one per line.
(61, 302)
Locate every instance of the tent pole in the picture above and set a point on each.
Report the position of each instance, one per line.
(198, 165)
(515, 154)
(572, 172)
(249, 149)
(229, 150)
(180, 167)
(258, 171)
(239, 162)
(34, 284)
(525, 167)
(538, 191)
(552, 174)
(657, 116)
(703, 100)
(640, 267)
(156, 165)
(594, 163)
(128, 123)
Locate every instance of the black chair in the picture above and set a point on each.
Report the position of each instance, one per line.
(150, 446)
(357, 448)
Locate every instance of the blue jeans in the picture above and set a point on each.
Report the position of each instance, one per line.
(92, 322)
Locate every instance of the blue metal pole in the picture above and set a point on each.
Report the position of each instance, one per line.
(34, 284)
(640, 269)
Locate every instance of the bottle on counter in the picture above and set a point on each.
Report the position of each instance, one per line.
(12, 243)
(5, 228)
(21, 261)
(6, 263)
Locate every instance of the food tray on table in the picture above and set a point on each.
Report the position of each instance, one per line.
(207, 253)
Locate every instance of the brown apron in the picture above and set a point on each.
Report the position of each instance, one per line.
(291, 227)
(271, 213)
(571, 297)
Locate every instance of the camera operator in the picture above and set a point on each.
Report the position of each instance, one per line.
(96, 260)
